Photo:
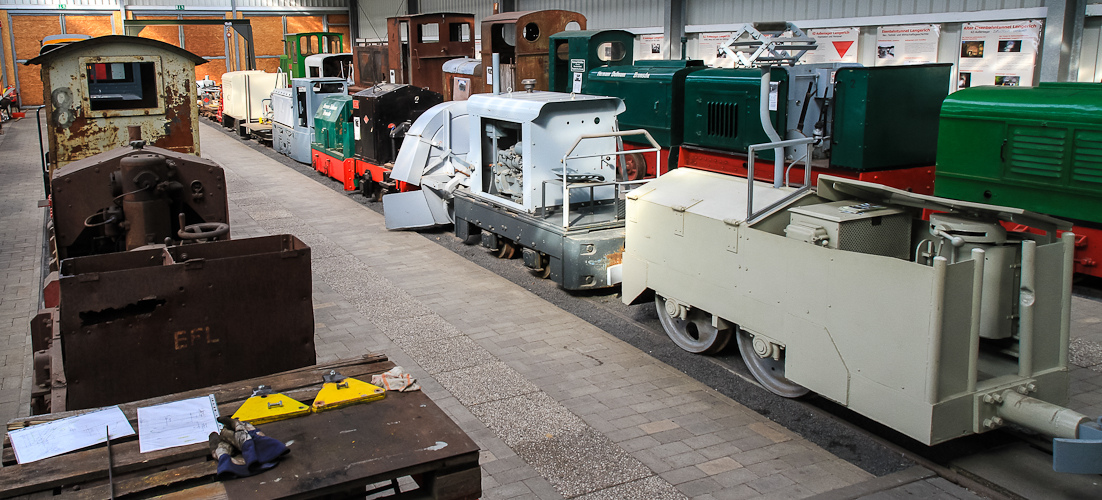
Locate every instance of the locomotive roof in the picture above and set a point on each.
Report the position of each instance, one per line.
(515, 16)
(112, 39)
(528, 105)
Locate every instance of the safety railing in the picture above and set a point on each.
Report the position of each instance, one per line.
(567, 186)
(751, 215)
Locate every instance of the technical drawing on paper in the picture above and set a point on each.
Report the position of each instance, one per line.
(68, 434)
(177, 423)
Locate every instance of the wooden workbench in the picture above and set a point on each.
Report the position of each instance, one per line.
(338, 452)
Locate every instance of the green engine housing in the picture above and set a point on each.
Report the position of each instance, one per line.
(333, 131)
(722, 109)
(296, 46)
(1036, 148)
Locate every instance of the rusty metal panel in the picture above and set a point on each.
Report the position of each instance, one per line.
(371, 63)
(146, 323)
(428, 42)
(522, 39)
(76, 130)
(98, 205)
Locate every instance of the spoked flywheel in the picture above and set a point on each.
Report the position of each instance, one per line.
(695, 332)
(765, 360)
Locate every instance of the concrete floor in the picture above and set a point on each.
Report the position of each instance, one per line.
(560, 408)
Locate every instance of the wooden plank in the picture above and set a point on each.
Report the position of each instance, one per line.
(28, 32)
(304, 24)
(267, 36)
(169, 34)
(87, 465)
(158, 479)
(238, 391)
(212, 491)
(88, 25)
(269, 64)
(301, 382)
(205, 40)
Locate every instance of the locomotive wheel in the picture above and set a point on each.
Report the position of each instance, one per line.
(507, 250)
(695, 333)
(546, 271)
(768, 371)
(635, 166)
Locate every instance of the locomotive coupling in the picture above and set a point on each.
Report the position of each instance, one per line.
(1077, 440)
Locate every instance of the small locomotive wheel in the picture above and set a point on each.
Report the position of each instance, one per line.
(767, 370)
(634, 166)
(695, 333)
(507, 250)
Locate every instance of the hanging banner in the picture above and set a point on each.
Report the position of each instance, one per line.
(836, 45)
(708, 49)
(1002, 53)
(648, 47)
(912, 44)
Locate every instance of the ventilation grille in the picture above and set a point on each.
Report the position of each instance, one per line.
(1086, 161)
(1037, 151)
(722, 119)
(885, 235)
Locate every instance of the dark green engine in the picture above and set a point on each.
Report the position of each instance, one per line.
(1036, 148)
(861, 119)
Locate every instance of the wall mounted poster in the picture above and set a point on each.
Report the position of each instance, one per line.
(1003, 53)
(648, 47)
(911, 44)
(835, 45)
(708, 49)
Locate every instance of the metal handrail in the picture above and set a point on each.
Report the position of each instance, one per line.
(751, 215)
(655, 148)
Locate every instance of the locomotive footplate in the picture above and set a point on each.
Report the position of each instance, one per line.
(584, 256)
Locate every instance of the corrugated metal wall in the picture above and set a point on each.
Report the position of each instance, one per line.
(606, 14)
(214, 5)
(726, 11)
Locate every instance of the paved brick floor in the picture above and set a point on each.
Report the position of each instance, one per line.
(560, 408)
(20, 261)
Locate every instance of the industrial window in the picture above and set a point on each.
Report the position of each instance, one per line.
(333, 45)
(328, 88)
(531, 32)
(308, 45)
(611, 51)
(122, 85)
(428, 33)
(459, 32)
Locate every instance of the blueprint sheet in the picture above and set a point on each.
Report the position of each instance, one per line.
(68, 434)
(178, 423)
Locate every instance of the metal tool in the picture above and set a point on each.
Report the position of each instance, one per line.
(110, 465)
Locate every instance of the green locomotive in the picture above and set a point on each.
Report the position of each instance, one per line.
(298, 47)
(1037, 148)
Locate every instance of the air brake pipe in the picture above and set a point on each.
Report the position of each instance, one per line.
(1040, 416)
(767, 125)
(978, 256)
(1026, 299)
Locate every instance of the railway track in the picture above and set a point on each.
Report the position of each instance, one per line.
(871, 446)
